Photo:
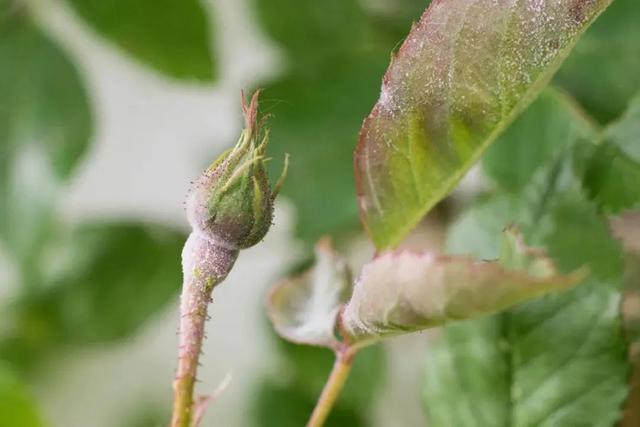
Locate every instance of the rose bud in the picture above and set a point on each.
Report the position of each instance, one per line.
(232, 201)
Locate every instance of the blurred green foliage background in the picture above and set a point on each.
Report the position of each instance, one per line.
(97, 283)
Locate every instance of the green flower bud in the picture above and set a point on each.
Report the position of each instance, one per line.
(232, 201)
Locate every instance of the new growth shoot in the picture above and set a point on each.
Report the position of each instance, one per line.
(229, 208)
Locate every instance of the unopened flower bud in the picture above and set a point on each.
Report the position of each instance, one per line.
(230, 207)
(232, 201)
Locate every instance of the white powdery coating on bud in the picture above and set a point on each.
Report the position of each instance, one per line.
(205, 256)
(197, 210)
(232, 202)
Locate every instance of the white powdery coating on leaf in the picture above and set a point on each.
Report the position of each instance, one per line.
(465, 71)
(401, 292)
(319, 311)
(304, 309)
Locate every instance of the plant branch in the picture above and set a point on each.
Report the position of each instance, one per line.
(334, 385)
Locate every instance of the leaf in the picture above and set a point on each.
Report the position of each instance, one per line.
(173, 37)
(555, 361)
(304, 309)
(550, 124)
(109, 279)
(467, 377)
(305, 368)
(602, 71)
(465, 71)
(476, 232)
(612, 170)
(401, 292)
(611, 178)
(625, 132)
(45, 126)
(17, 407)
(563, 232)
(303, 371)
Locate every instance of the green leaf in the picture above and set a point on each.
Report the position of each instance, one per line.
(45, 126)
(475, 232)
(109, 279)
(564, 231)
(611, 179)
(303, 309)
(549, 125)
(467, 377)
(402, 292)
(173, 37)
(602, 71)
(17, 407)
(612, 169)
(560, 360)
(463, 74)
(625, 132)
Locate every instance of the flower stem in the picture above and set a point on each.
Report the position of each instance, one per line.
(191, 327)
(334, 385)
(205, 265)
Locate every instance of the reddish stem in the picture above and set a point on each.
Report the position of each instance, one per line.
(205, 264)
